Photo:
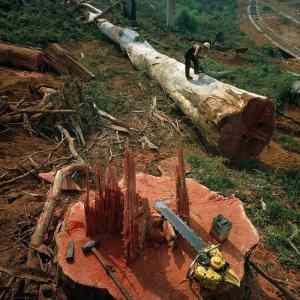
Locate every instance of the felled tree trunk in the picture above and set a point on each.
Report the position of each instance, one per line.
(237, 123)
(21, 57)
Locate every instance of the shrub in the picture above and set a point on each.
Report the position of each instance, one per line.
(187, 21)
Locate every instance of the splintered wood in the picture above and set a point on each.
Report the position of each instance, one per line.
(104, 212)
(132, 227)
(113, 201)
(182, 199)
(110, 210)
(89, 214)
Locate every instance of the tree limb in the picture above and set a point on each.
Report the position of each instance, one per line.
(24, 274)
(286, 293)
(37, 238)
(71, 143)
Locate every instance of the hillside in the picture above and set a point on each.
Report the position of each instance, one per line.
(268, 185)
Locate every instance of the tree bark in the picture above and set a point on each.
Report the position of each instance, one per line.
(235, 122)
(21, 57)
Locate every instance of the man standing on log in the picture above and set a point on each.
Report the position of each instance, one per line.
(193, 55)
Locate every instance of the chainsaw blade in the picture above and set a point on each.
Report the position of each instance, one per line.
(186, 232)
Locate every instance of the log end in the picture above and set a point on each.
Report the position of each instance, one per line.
(244, 135)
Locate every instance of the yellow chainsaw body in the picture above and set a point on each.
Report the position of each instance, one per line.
(210, 269)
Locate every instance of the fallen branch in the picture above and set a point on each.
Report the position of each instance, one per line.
(162, 117)
(63, 62)
(32, 171)
(12, 180)
(106, 115)
(9, 284)
(37, 238)
(16, 116)
(78, 132)
(25, 274)
(117, 128)
(293, 235)
(71, 143)
(145, 141)
(286, 293)
(289, 118)
(33, 111)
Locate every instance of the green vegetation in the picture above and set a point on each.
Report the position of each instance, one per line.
(41, 22)
(284, 20)
(266, 9)
(204, 19)
(271, 200)
(289, 142)
(262, 78)
(218, 176)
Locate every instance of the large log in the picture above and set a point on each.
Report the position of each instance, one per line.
(235, 122)
(21, 57)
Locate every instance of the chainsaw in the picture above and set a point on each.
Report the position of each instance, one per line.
(209, 268)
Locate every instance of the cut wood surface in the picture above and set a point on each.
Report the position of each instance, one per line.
(21, 57)
(235, 122)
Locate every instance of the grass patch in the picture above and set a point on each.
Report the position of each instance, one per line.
(289, 143)
(270, 199)
(290, 182)
(263, 78)
(41, 22)
(212, 173)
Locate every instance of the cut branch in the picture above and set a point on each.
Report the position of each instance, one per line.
(25, 274)
(287, 294)
(71, 143)
(12, 180)
(43, 223)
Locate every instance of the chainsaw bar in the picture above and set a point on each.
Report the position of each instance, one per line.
(186, 232)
